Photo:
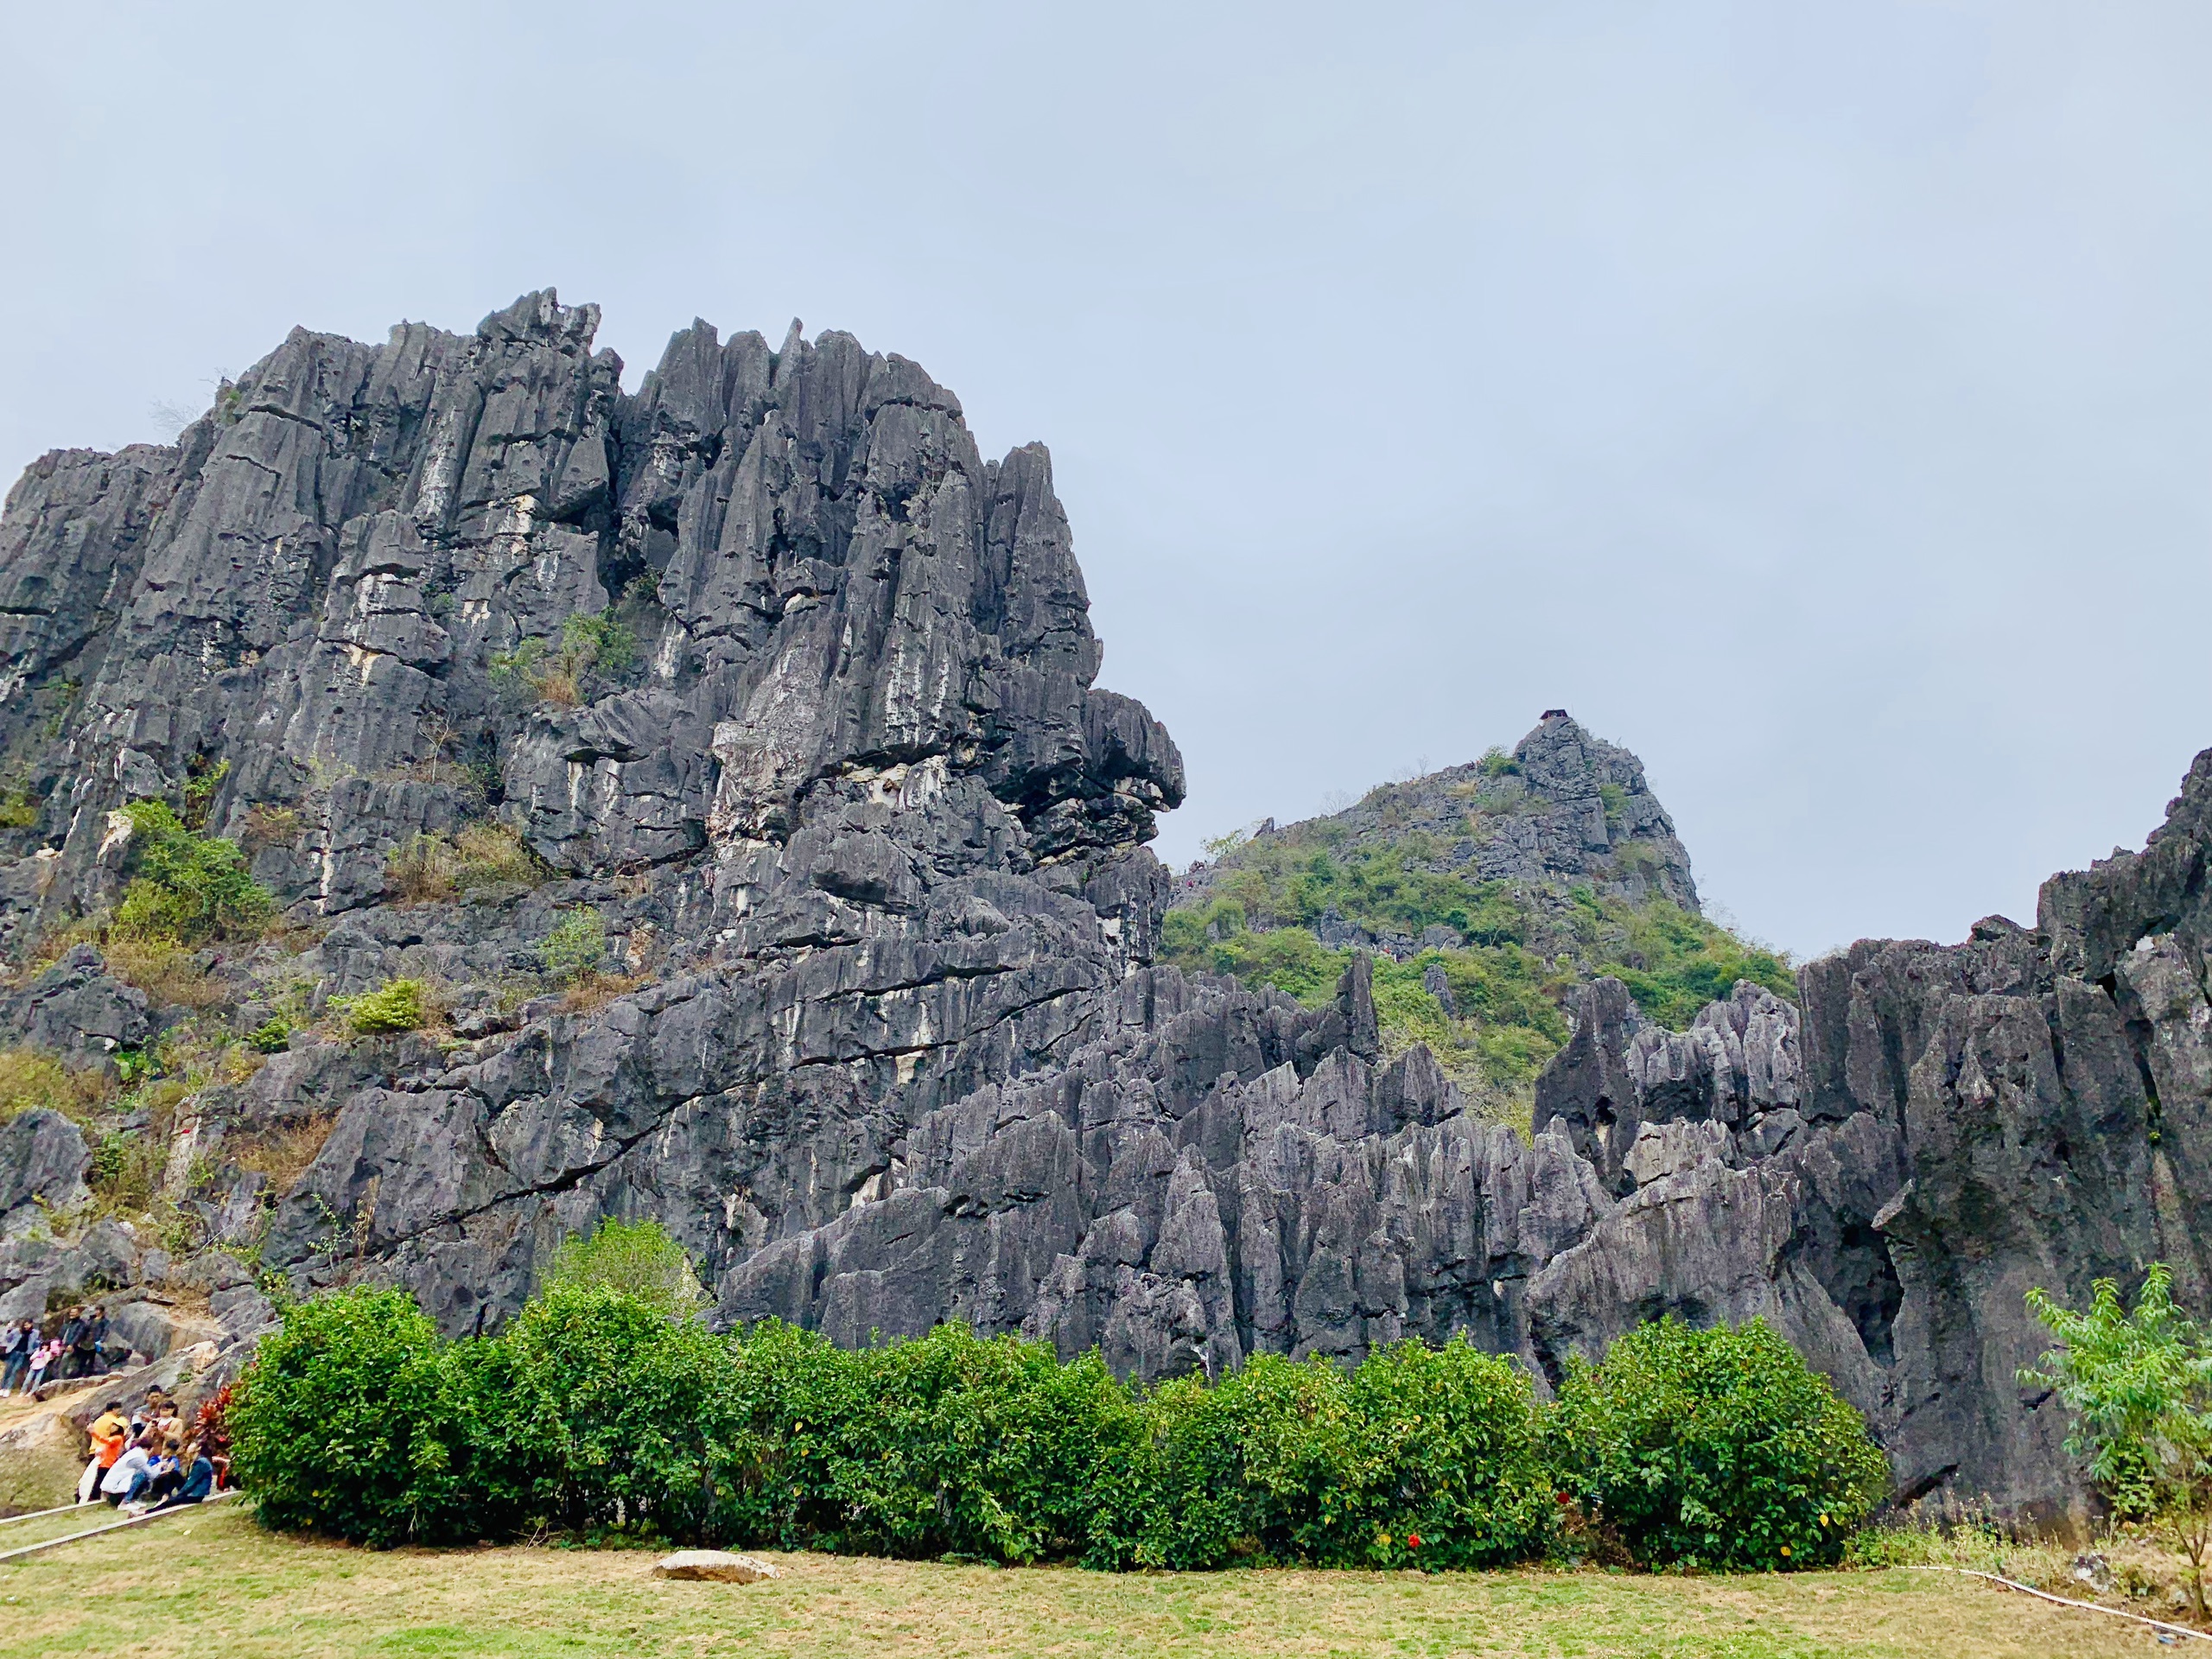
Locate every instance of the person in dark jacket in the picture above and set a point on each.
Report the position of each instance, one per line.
(85, 1351)
(68, 1337)
(16, 1340)
(195, 1479)
(72, 1323)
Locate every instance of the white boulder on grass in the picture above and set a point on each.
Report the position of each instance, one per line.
(717, 1564)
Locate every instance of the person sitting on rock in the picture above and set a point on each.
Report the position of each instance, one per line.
(136, 1459)
(151, 1410)
(44, 1360)
(194, 1482)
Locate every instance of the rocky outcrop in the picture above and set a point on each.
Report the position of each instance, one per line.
(1945, 1129)
(43, 1159)
(889, 1046)
(1563, 809)
(766, 666)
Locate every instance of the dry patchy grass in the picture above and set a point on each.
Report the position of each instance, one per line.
(168, 972)
(215, 1584)
(280, 1153)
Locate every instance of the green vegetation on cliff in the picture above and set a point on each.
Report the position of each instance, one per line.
(1509, 952)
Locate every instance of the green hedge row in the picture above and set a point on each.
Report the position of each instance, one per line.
(596, 1410)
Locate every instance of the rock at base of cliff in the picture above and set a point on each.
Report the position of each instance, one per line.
(715, 1566)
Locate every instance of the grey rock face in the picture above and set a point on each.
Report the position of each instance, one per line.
(867, 845)
(1945, 1129)
(318, 588)
(43, 1159)
(76, 1009)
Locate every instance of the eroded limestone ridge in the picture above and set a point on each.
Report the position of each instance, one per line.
(1564, 809)
(868, 847)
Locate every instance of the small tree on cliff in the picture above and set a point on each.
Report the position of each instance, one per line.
(2140, 1389)
(637, 1258)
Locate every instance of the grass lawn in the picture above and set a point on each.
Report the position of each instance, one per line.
(216, 1586)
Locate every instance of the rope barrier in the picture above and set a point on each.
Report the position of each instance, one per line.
(2062, 1601)
(115, 1526)
(64, 1509)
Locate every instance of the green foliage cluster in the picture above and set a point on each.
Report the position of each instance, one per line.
(396, 1005)
(599, 1410)
(187, 888)
(1422, 1457)
(592, 647)
(637, 1259)
(19, 806)
(576, 947)
(2138, 1390)
(30, 1079)
(1716, 1448)
(1524, 951)
(200, 794)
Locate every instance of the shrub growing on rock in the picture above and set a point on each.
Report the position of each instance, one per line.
(577, 945)
(395, 1006)
(1717, 1448)
(635, 1258)
(432, 867)
(188, 887)
(30, 1079)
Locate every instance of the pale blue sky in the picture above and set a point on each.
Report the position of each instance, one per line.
(1816, 398)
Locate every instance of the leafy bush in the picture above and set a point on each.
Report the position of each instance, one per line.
(188, 887)
(1717, 1448)
(605, 1410)
(577, 945)
(396, 1005)
(272, 1036)
(950, 1443)
(19, 806)
(1420, 1456)
(2138, 1388)
(1448, 1464)
(1249, 1469)
(597, 1410)
(200, 794)
(354, 1419)
(636, 1259)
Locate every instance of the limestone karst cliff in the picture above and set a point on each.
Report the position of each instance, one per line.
(767, 675)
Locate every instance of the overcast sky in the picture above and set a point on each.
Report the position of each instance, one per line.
(1816, 398)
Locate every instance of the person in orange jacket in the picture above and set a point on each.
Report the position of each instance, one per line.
(108, 1432)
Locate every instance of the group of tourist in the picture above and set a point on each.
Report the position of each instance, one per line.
(145, 1461)
(71, 1343)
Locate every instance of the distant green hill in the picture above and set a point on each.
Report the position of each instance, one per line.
(1487, 894)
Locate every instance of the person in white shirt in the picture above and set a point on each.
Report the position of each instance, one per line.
(135, 1460)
